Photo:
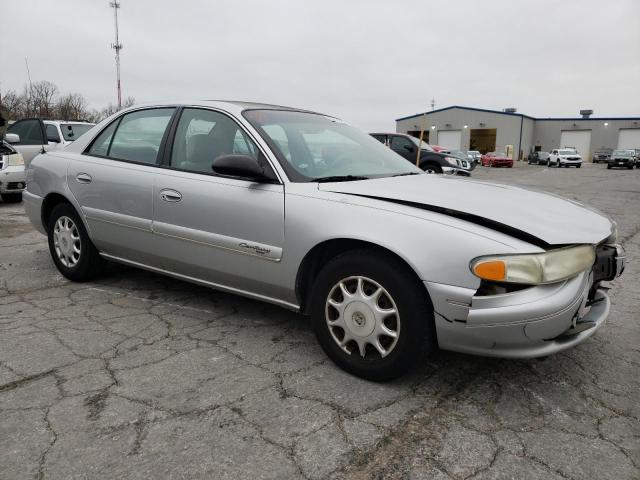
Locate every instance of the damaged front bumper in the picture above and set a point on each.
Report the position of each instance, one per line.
(533, 322)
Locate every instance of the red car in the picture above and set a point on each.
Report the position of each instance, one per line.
(495, 159)
(438, 148)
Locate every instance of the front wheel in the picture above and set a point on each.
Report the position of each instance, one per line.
(71, 248)
(608, 167)
(432, 168)
(578, 166)
(11, 197)
(371, 315)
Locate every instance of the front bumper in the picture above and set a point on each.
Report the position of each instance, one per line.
(455, 171)
(13, 179)
(534, 322)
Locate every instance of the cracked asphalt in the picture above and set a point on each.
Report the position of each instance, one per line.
(140, 376)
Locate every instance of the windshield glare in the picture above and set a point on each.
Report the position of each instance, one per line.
(71, 131)
(311, 146)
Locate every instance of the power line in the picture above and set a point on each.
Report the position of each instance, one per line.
(117, 46)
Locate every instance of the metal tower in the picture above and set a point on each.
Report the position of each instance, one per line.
(117, 46)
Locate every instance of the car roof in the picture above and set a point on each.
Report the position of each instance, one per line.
(58, 122)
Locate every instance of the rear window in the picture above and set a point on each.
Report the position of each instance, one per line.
(71, 131)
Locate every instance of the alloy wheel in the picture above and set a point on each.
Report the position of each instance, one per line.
(66, 241)
(362, 317)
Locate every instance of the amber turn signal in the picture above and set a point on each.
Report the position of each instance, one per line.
(495, 270)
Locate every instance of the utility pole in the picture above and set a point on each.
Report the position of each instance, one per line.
(117, 46)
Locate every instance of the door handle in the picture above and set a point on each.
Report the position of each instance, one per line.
(83, 178)
(169, 195)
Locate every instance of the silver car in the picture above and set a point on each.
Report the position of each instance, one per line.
(302, 210)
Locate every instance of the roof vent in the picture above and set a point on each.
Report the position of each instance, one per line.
(586, 113)
(510, 110)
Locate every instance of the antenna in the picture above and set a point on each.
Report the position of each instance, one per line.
(26, 62)
(433, 104)
(117, 46)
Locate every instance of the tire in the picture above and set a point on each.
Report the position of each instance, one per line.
(72, 250)
(431, 168)
(578, 166)
(414, 323)
(609, 167)
(11, 197)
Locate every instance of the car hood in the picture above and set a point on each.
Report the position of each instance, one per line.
(523, 213)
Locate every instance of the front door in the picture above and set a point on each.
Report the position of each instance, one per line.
(33, 138)
(403, 146)
(224, 230)
(113, 183)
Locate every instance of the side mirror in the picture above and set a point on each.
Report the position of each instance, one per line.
(12, 137)
(238, 166)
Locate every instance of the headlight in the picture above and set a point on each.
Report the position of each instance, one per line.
(452, 161)
(15, 160)
(535, 268)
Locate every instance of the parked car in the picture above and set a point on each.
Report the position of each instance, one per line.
(12, 173)
(389, 262)
(496, 159)
(463, 157)
(475, 154)
(602, 155)
(565, 157)
(35, 135)
(430, 161)
(627, 158)
(438, 148)
(539, 158)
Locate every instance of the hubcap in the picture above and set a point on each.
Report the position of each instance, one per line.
(362, 317)
(66, 242)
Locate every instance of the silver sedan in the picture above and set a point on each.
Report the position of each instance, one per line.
(302, 210)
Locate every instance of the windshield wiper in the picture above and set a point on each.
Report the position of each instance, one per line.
(405, 174)
(340, 178)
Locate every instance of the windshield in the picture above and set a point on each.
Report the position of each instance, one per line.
(71, 131)
(457, 153)
(425, 145)
(473, 152)
(566, 152)
(311, 146)
(623, 153)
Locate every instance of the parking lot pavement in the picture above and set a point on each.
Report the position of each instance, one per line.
(141, 376)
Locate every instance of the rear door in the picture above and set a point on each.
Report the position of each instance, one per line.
(225, 230)
(113, 183)
(32, 135)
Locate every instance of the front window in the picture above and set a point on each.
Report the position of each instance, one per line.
(312, 146)
(71, 131)
(623, 153)
(567, 152)
(424, 145)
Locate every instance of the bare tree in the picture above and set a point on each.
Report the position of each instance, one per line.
(72, 106)
(13, 104)
(43, 96)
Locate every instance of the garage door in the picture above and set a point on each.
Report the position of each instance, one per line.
(578, 139)
(629, 138)
(450, 139)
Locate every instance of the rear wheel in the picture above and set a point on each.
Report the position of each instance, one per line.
(71, 248)
(371, 315)
(11, 197)
(609, 167)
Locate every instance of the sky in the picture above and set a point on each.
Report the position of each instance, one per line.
(365, 61)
